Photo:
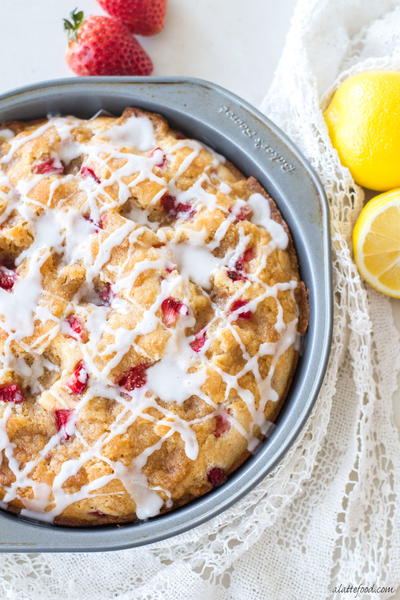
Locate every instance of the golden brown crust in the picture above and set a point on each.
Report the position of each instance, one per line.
(301, 291)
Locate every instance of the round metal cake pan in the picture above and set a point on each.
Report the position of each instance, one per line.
(257, 147)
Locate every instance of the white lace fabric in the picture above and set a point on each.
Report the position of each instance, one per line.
(329, 514)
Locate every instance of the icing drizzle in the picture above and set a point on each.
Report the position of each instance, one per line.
(104, 243)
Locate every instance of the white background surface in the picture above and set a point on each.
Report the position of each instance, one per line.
(235, 43)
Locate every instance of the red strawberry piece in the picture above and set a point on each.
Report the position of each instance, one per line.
(216, 476)
(176, 209)
(242, 262)
(171, 309)
(106, 294)
(135, 377)
(102, 220)
(168, 203)
(7, 278)
(222, 424)
(78, 331)
(11, 393)
(78, 380)
(236, 276)
(248, 254)
(89, 172)
(103, 46)
(63, 417)
(52, 166)
(199, 341)
(159, 156)
(237, 305)
(243, 213)
(96, 225)
(185, 210)
(98, 513)
(145, 17)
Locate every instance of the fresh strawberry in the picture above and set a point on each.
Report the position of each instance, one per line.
(63, 424)
(145, 17)
(11, 393)
(78, 380)
(103, 46)
(171, 309)
(135, 377)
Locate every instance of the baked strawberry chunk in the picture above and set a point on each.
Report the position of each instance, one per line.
(243, 213)
(78, 331)
(102, 220)
(242, 262)
(236, 275)
(199, 341)
(159, 156)
(89, 172)
(52, 166)
(78, 380)
(98, 513)
(216, 476)
(222, 424)
(171, 310)
(135, 377)
(11, 393)
(63, 422)
(168, 203)
(106, 294)
(176, 209)
(237, 305)
(96, 224)
(7, 278)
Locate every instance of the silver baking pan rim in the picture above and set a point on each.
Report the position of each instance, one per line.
(257, 147)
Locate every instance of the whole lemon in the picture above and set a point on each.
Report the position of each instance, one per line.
(363, 120)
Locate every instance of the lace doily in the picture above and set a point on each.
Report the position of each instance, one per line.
(330, 512)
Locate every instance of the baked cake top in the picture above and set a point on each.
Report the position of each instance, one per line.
(150, 309)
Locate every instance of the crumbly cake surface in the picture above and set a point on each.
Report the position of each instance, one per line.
(150, 310)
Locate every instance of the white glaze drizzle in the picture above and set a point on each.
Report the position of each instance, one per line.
(180, 373)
